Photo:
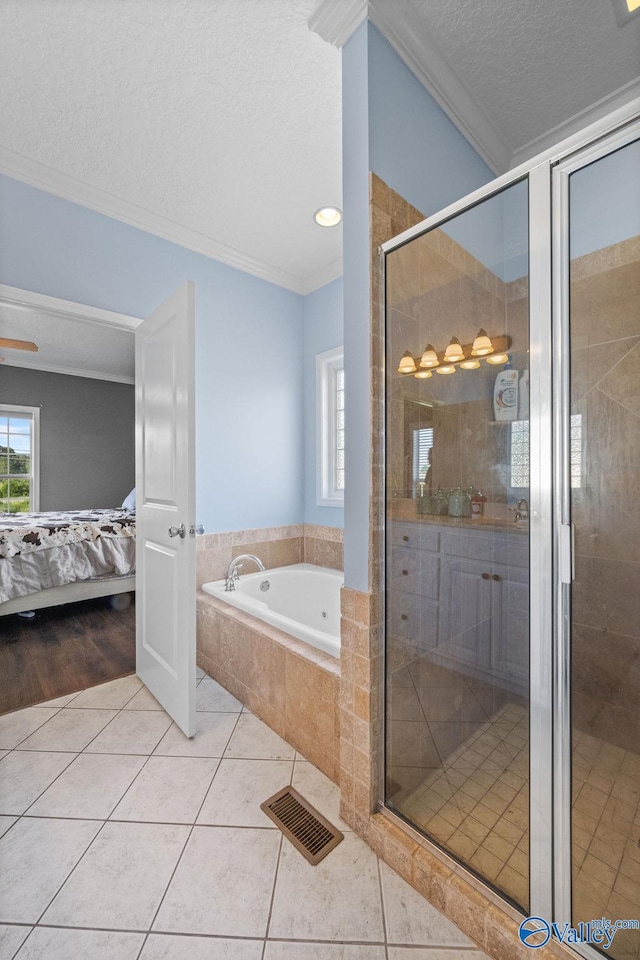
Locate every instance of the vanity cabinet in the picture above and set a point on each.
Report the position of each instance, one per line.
(463, 595)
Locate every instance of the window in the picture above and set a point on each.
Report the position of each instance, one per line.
(422, 443)
(19, 445)
(330, 427)
(520, 452)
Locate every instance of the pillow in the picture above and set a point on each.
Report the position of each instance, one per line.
(130, 502)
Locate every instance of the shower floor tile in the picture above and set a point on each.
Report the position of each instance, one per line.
(476, 804)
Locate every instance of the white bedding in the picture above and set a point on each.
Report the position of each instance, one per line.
(40, 551)
(31, 572)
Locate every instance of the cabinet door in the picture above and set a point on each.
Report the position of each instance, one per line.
(465, 611)
(510, 615)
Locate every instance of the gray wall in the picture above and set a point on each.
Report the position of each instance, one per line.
(87, 456)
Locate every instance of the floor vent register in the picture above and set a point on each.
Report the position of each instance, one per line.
(307, 829)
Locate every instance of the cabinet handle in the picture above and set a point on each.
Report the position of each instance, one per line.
(406, 539)
(405, 573)
(486, 576)
(496, 577)
(403, 616)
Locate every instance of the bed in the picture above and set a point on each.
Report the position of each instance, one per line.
(51, 558)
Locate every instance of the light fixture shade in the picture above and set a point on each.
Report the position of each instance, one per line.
(328, 216)
(470, 364)
(429, 358)
(481, 345)
(423, 374)
(446, 369)
(407, 363)
(497, 358)
(454, 351)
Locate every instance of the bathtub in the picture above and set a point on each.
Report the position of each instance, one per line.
(301, 599)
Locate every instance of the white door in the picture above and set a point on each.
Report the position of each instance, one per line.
(165, 506)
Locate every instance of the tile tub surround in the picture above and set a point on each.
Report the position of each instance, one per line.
(482, 916)
(275, 546)
(291, 686)
(82, 880)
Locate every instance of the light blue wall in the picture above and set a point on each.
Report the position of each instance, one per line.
(414, 146)
(355, 199)
(323, 330)
(249, 340)
(392, 126)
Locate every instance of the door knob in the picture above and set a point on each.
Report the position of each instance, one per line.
(180, 531)
(486, 576)
(196, 528)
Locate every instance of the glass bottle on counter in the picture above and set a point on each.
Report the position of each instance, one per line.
(459, 503)
(441, 503)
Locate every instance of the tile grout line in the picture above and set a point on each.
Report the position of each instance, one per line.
(73, 869)
(382, 910)
(273, 895)
(189, 835)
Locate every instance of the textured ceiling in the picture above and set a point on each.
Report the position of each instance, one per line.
(68, 345)
(221, 116)
(532, 66)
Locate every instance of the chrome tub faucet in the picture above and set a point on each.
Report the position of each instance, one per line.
(235, 565)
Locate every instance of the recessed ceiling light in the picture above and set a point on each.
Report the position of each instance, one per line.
(328, 216)
(625, 10)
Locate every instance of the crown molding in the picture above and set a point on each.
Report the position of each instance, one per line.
(627, 97)
(39, 175)
(321, 277)
(69, 371)
(336, 20)
(41, 303)
(27, 300)
(400, 25)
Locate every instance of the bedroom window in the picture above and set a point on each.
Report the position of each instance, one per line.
(19, 449)
(330, 427)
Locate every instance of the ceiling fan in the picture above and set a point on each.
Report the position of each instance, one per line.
(17, 345)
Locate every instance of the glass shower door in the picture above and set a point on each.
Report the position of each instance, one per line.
(602, 492)
(457, 551)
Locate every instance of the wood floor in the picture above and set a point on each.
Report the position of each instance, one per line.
(62, 650)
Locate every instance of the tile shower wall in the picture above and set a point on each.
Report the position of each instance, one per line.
(605, 303)
(275, 546)
(465, 296)
(483, 917)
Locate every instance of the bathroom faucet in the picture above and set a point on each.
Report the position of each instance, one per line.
(521, 510)
(234, 566)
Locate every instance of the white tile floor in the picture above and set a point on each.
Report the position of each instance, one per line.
(122, 840)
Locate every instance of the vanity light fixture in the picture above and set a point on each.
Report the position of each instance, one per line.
(482, 345)
(328, 216)
(407, 363)
(466, 356)
(429, 358)
(454, 352)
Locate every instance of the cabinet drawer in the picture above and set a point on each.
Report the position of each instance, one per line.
(414, 571)
(422, 536)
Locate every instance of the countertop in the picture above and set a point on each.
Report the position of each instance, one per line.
(496, 518)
